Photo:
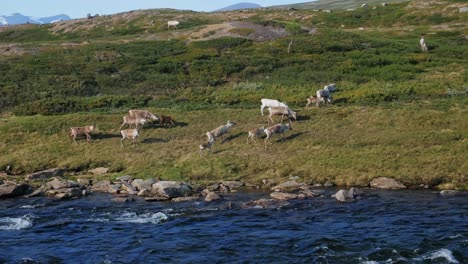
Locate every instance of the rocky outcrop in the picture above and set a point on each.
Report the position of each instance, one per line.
(386, 183)
(283, 196)
(265, 203)
(101, 186)
(99, 171)
(232, 185)
(348, 196)
(140, 184)
(185, 199)
(64, 189)
(289, 186)
(212, 196)
(45, 174)
(9, 189)
(171, 189)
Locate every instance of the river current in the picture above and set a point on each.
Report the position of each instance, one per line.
(381, 227)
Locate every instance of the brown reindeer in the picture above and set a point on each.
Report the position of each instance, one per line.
(86, 130)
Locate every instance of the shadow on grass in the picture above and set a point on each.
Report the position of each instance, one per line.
(105, 136)
(302, 118)
(218, 151)
(231, 137)
(293, 136)
(154, 140)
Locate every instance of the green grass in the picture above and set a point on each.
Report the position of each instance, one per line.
(419, 142)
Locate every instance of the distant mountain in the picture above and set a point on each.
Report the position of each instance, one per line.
(17, 18)
(239, 6)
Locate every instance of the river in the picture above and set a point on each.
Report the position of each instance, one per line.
(381, 227)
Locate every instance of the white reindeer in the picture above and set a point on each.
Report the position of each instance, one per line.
(86, 130)
(132, 134)
(172, 23)
(271, 103)
(207, 145)
(282, 111)
(130, 120)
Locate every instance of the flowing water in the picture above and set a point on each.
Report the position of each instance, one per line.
(382, 227)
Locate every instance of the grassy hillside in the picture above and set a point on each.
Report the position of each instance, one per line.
(337, 4)
(399, 112)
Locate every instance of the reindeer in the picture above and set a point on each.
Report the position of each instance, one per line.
(221, 130)
(276, 129)
(282, 111)
(86, 130)
(132, 133)
(255, 133)
(130, 120)
(207, 145)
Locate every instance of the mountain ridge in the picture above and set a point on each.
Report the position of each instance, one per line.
(238, 6)
(18, 19)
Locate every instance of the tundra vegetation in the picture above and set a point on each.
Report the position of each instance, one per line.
(397, 112)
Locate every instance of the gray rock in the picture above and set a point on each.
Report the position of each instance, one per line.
(65, 193)
(342, 196)
(45, 174)
(185, 199)
(85, 181)
(233, 185)
(101, 186)
(463, 9)
(57, 183)
(143, 192)
(36, 193)
(449, 192)
(265, 203)
(386, 183)
(8, 190)
(289, 186)
(283, 196)
(115, 188)
(140, 184)
(129, 188)
(99, 171)
(329, 184)
(171, 189)
(123, 199)
(212, 196)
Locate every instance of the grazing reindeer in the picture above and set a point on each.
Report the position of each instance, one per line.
(167, 120)
(276, 129)
(255, 133)
(282, 111)
(86, 130)
(130, 120)
(323, 95)
(132, 133)
(221, 130)
(311, 100)
(207, 145)
(270, 103)
(172, 23)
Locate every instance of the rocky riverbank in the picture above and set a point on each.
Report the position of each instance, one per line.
(52, 183)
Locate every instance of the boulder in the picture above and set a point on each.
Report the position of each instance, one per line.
(85, 181)
(115, 188)
(143, 192)
(289, 186)
(57, 183)
(283, 196)
(101, 186)
(171, 189)
(99, 171)
(123, 199)
(185, 199)
(45, 174)
(65, 193)
(449, 192)
(386, 183)
(348, 196)
(8, 190)
(140, 184)
(129, 188)
(232, 185)
(463, 9)
(265, 203)
(329, 184)
(212, 196)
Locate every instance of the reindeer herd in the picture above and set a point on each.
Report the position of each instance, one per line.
(139, 118)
